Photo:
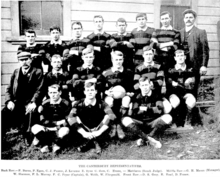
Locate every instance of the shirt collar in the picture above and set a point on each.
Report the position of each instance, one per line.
(124, 34)
(31, 45)
(177, 67)
(25, 71)
(57, 102)
(99, 32)
(187, 29)
(56, 42)
(56, 72)
(85, 66)
(147, 64)
(87, 103)
(167, 28)
(149, 94)
(75, 39)
(120, 70)
(142, 29)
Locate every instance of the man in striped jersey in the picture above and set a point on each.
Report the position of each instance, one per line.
(98, 39)
(141, 37)
(166, 41)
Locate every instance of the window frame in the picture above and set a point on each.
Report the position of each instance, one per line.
(16, 38)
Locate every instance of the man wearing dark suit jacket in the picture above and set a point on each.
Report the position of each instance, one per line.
(195, 44)
(22, 96)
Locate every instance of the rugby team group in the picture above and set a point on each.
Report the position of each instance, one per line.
(95, 88)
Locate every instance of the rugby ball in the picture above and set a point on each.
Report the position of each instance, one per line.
(118, 92)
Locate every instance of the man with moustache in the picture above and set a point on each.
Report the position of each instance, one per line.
(23, 95)
(195, 44)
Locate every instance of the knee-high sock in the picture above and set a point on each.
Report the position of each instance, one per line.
(136, 129)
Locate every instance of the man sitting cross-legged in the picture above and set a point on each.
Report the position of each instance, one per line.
(147, 118)
(53, 126)
(91, 118)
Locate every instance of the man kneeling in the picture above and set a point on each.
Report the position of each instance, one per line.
(91, 117)
(148, 116)
(53, 125)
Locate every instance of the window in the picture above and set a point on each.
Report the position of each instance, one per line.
(40, 15)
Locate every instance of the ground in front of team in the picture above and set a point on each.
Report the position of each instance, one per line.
(201, 143)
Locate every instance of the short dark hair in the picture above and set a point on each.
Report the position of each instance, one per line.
(55, 86)
(144, 78)
(90, 84)
(55, 27)
(30, 31)
(165, 12)
(121, 20)
(98, 16)
(77, 23)
(141, 15)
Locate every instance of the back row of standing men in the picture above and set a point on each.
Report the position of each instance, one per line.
(144, 53)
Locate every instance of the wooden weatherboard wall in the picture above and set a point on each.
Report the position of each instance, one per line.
(208, 16)
(111, 10)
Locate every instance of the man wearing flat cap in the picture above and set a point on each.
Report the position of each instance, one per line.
(22, 96)
(195, 43)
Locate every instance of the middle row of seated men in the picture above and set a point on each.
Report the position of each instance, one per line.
(132, 101)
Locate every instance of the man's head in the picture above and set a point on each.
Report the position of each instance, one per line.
(56, 62)
(165, 19)
(145, 85)
(141, 19)
(77, 29)
(30, 36)
(24, 59)
(98, 22)
(54, 92)
(90, 90)
(117, 58)
(121, 25)
(189, 17)
(88, 56)
(55, 33)
(180, 57)
(148, 54)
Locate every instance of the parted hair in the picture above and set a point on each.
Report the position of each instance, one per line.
(30, 31)
(55, 86)
(99, 16)
(55, 27)
(77, 23)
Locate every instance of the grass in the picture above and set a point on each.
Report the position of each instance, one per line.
(202, 143)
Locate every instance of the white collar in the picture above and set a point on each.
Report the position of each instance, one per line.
(55, 72)
(149, 94)
(57, 102)
(167, 28)
(147, 64)
(56, 42)
(182, 67)
(25, 71)
(187, 29)
(142, 29)
(29, 45)
(124, 34)
(99, 32)
(74, 39)
(115, 69)
(88, 102)
(85, 66)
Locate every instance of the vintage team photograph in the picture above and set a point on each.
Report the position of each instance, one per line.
(110, 80)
